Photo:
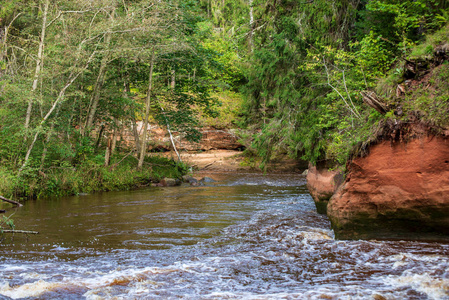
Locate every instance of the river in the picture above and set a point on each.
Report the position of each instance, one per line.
(246, 236)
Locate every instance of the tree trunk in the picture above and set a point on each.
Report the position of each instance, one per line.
(110, 148)
(136, 135)
(95, 99)
(37, 71)
(171, 135)
(173, 80)
(44, 152)
(251, 26)
(4, 45)
(107, 155)
(147, 114)
(100, 134)
(114, 136)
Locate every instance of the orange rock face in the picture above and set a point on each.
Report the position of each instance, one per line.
(212, 139)
(322, 184)
(400, 190)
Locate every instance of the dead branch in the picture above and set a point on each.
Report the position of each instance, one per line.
(20, 231)
(117, 163)
(372, 100)
(10, 201)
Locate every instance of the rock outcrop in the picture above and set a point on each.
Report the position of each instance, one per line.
(212, 139)
(322, 184)
(400, 190)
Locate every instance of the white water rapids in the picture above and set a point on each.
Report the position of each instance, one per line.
(245, 237)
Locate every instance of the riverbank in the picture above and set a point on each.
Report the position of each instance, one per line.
(88, 177)
(223, 161)
(92, 176)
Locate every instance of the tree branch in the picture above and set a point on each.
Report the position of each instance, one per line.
(10, 201)
(19, 231)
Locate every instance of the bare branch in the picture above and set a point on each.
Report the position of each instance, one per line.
(337, 91)
(10, 201)
(19, 231)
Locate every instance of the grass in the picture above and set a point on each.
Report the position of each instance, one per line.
(427, 48)
(87, 177)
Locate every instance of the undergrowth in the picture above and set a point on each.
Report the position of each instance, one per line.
(87, 177)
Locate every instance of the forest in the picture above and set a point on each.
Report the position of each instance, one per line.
(318, 80)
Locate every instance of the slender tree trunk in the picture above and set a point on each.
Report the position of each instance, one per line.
(44, 152)
(133, 118)
(251, 26)
(107, 155)
(136, 135)
(37, 71)
(100, 134)
(147, 114)
(209, 8)
(110, 148)
(95, 99)
(114, 136)
(4, 45)
(173, 79)
(171, 135)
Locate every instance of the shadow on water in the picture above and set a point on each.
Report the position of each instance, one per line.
(247, 236)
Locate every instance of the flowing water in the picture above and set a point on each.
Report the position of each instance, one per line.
(244, 237)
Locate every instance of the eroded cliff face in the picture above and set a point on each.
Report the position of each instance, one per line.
(400, 190)
(212, 139)
(322, 184)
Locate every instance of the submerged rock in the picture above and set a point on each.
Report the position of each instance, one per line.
(400, 190)
(191, 180)
(322, 184)
(207, 180)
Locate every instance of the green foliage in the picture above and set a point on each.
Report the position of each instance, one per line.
(430, 100)
(312, 62)
(229, 108)
(427, 48)
(103, 52)
(88, 177)
(6, 222)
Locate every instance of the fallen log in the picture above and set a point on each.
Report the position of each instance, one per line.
(371, 99)
(10, 201)
(19, 231)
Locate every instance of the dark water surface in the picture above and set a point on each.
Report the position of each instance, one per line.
(247, 236)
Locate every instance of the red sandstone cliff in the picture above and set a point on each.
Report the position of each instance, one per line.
(400, 190)
(212, 139)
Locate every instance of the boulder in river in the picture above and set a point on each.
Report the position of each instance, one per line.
(322, 184)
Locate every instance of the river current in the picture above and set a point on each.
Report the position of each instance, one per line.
(246, 236)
